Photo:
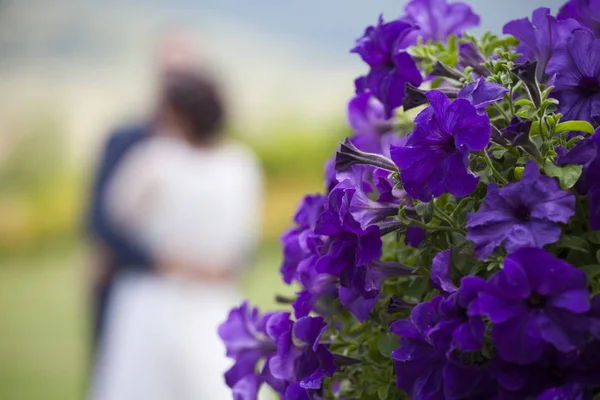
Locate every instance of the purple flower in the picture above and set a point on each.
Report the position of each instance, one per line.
(352, 243)
(535, 300)
(363, 292)
(517, 133)
(565, 392)
(440, 272)
(589, 183)
(516, 130)
(245, 337)
(316, 288)
(577, 69)
(385, 187)
(582, 154)
(356, 303)
(481, 93)
(366, 117)
(586, 12)
(297, 392)
(539, 39)
(364, 210)
(414, 236)
(304, 360)
(555, 376)
(391, 68)
(301, 249)
(594, 317)
(465, 333)
(348, 245)
(300, 242)
(435, 158)
(522, 214)
(469, 55)
(330, 180)
(437, 20)
(423, 368)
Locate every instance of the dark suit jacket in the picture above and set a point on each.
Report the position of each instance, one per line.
(125, 252)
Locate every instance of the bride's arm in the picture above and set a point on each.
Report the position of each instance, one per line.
(123, 251)
(130, 193)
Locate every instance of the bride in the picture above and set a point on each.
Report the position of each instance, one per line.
(189, 196)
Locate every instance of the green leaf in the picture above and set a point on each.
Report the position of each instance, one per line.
(425, 211)
(598, 255)
(522, 114)
(499, 152)
(524, 102)
(573, 243)
(383, 391)
(567, 175)
(388, 343)
(591, 271)
(578, 126)
(593, 236)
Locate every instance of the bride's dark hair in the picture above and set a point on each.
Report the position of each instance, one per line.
(197, 103)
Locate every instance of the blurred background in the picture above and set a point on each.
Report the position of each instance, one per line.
(70, 71)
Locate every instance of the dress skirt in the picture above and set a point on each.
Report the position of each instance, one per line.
(161, 340)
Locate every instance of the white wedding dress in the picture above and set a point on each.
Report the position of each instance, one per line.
(202, 205)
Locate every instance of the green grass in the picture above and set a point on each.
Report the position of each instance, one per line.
(43, 320)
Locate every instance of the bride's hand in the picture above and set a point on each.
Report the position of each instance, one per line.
(194, 270)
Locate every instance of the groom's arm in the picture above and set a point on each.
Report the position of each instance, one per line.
(126, 252)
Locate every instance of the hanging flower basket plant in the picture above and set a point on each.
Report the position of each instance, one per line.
(455, 250)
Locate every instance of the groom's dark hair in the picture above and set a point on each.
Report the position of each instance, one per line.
(196, 100)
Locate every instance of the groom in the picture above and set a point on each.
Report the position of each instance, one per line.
(176, 52)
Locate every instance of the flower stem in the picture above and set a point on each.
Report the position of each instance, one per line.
(501, 111)
(436, 228)
(490, 164)
(439, 213)
(510, 101)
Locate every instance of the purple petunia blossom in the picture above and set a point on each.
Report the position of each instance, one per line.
(414, 236)
(366, 117)
(465, 333)
(316, 289)
(353, 243)
(594, 317)
(349, 245)
(301, 247)
(586, 12)
(522, 214)
(423, 368)
(577, 69)
(437, 20)
(440, 272)
(589, 182)
(435, 158)
(582, 154)
(555, 376)
(540, 37)
(391, 68)
(535, 301)
(363, 293)
(469, 55)
(303, 360)
(481, 93)
(330, 180)
(356, 303)
(300, 242)
(245, 337)
(364, 210)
